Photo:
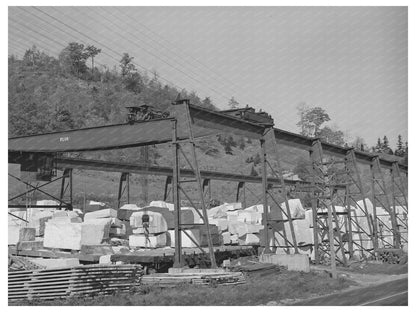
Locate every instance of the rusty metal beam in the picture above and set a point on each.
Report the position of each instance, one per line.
(99, 165)
(205, 122)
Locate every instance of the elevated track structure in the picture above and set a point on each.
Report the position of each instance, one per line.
(40, 155)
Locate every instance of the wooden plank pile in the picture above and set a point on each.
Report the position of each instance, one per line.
(206, 279)
(84, 280)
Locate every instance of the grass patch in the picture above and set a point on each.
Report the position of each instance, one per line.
(259, 289)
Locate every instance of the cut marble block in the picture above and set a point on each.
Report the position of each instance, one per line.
(46, 202)
(232, 216)
(233, 206)
(67, 219)
(250, 239)
(197, 217)
(63, 235)
(27, 234)
(56, 263)
(61, 216)
(16, 221)
(187, 216)
(104, 213)
(95, 231)
(125, 212)
(237, 228)
(309, 217)
(94, 206)
(38, 221)
(17, 234)
(186, 241)
(221, 211)
(13, 234)
(234, 239)
(130, 207)
(241, 228)
(152, 241)
(199, 235)
(255, 208)
(222, 224)
(157, 223)
(295, 208)
(303, 234)
(162, 204)
(250, 217)
(226, 238)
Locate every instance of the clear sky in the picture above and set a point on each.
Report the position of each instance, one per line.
(352, 61)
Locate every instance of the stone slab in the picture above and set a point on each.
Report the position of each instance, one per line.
(152, 241)
(157, 223)
(103, 213)
(95, 231)
(56, 263)
(63, 235)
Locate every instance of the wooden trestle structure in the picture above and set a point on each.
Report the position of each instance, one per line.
(337, 178)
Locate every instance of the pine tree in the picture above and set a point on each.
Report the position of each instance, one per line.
(385, 142)
(379, 146)
(385, 146)
(400, 151)
(232, 103)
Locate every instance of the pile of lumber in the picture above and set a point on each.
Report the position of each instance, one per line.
(84, 280)
(207, 279)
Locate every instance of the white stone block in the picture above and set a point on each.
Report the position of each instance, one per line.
(255, 208)
(157, 223)
(186, 241)
(234, 239)
(38, 221)
(222, 224)
(295, 207)
(56, 263)
(152, 241)
(63, 235)
(17, 234)
(232, 216)
(16, 221)
(95, 231)
(106, 259)
(226, 238)
(250, 239)
(250, 217)
(130, 207)
(197, 217)
(98, 214)
(159, 203)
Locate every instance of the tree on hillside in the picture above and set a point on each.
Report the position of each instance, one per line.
(311, 119)
(73, 58)
(400, 151)
(207, 102)
(132, 80)
(232, 103)
(331, 136)
(91, 53)
(359, 144)
(126, 64)
(385, 146)
(379, 147)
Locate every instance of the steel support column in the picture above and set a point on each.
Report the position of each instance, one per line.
(178, 261)
(265, 202)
